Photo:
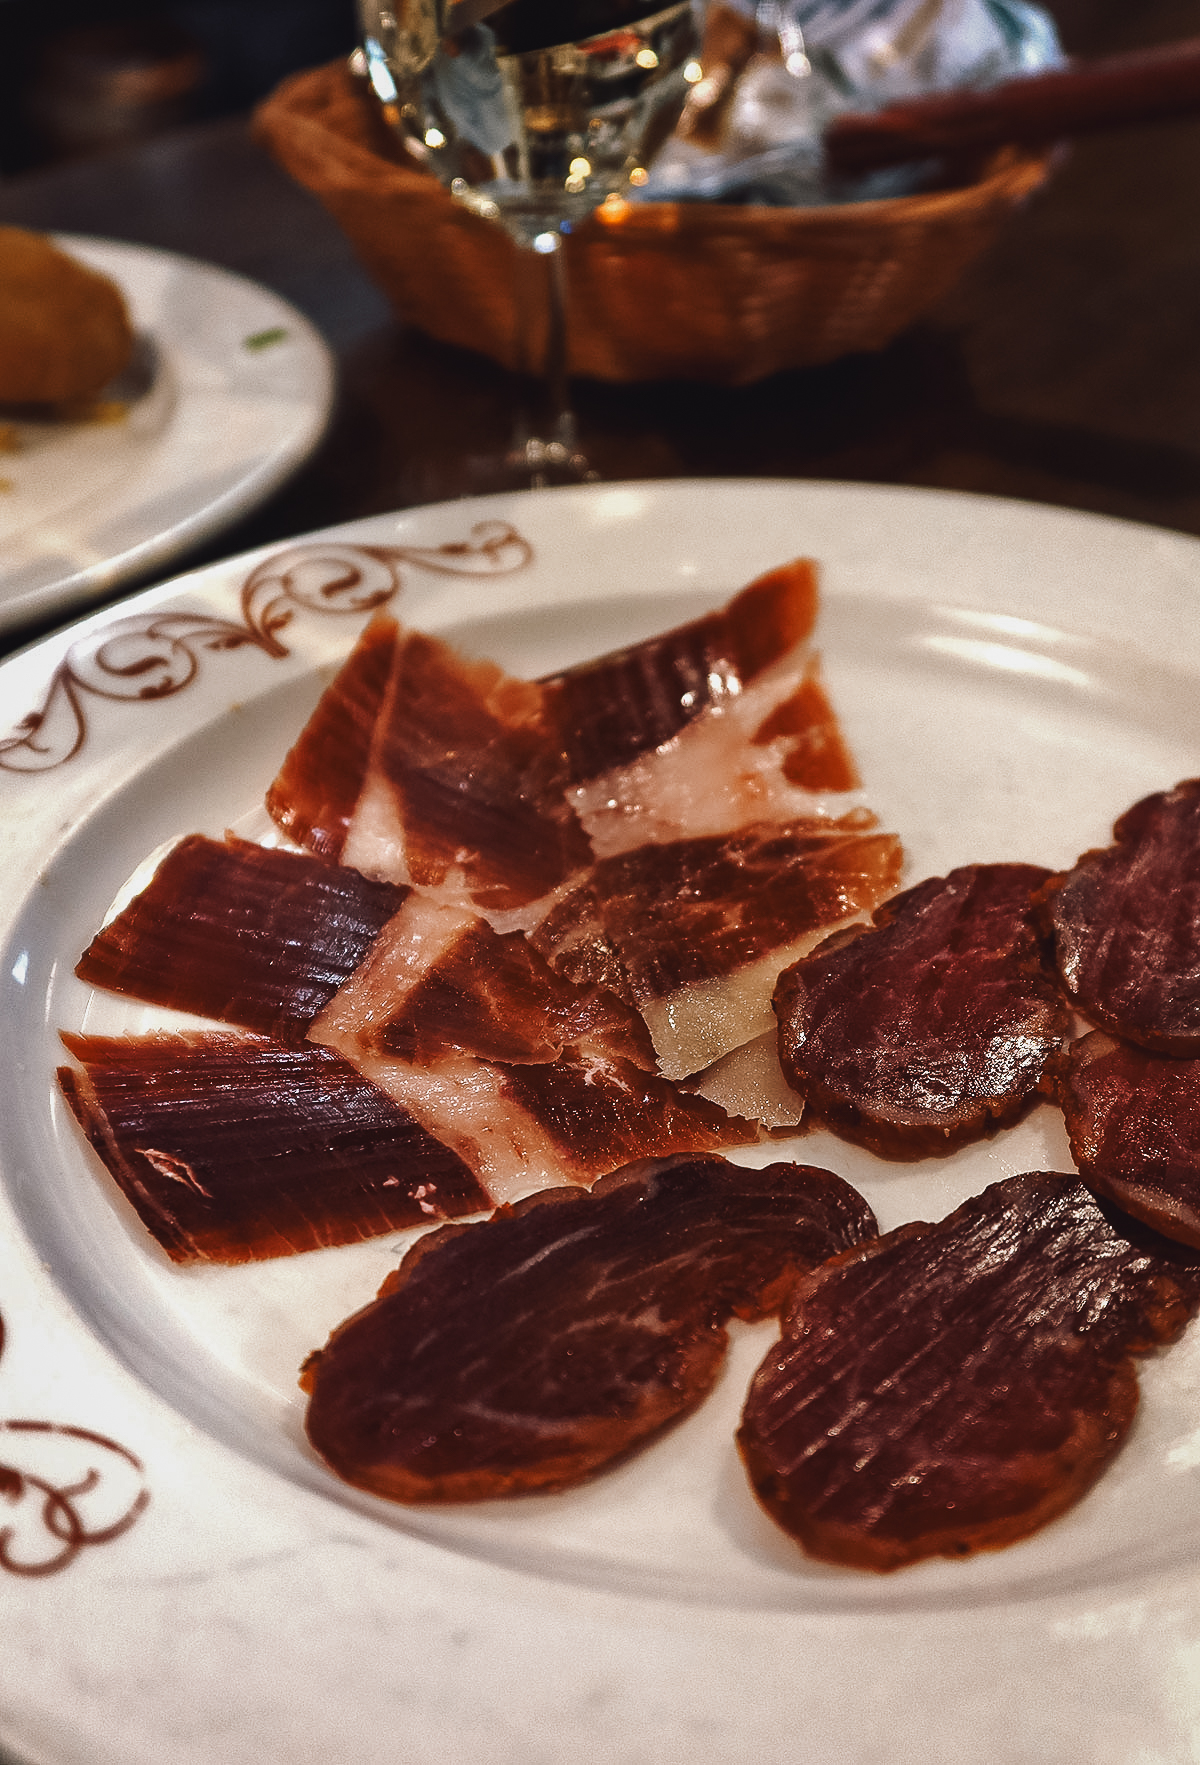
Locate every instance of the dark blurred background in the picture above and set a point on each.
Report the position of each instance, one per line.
(78, 76)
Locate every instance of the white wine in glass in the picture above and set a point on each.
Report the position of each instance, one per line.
(532, 113)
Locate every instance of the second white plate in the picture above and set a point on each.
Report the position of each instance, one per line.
(231, 391)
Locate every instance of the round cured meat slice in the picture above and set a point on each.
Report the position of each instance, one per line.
(530, 1350)
(950, 1388)
(933, 1025)
(1134, 1123)
(1126, 925)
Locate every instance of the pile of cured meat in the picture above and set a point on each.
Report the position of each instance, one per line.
(543, 952)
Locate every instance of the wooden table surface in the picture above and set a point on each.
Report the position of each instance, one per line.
(1065, 368)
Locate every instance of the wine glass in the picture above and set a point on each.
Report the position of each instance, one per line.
(533, 113)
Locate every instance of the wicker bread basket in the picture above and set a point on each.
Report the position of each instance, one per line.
(692, 291)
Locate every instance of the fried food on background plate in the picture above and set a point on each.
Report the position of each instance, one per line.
(65, 331)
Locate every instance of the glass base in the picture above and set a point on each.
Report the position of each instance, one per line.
(541, 462)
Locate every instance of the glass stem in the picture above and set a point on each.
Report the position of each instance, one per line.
(547, 443)
(562, 417)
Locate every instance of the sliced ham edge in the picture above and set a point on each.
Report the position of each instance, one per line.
(257, 936)
(773, 751)
(464, 786)
(234, 1148)
(630, 701)
(521, 1128)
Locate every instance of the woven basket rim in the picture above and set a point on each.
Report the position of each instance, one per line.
(716, 292)
(1012, 175)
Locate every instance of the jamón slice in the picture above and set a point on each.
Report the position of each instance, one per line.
(313, 797)
(250, 935)
(931, 1027)
(694, 931)
(950, 1388)
(611, 710)
(708, 727)
(440, 983)
(538, 1124)
(529, 1350)
(234, 1148)
(447, 775)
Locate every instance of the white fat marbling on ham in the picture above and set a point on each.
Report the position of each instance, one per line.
(375, 834)
(717, 775)
(402, 955)
(702, 1021)
(522, 1128)
(750, 1082)
(463, 1105)
(440, 982)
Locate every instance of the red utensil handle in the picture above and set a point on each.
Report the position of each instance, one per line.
(1032, 111)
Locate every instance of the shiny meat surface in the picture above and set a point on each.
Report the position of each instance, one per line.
(952, 1387)
(694, 930)
(471, 772)
(439, 982)
(243, 933)
(530, 1350)
(314, 794)
(1126, 925)
(619, 706)
(538, 1125)
(234, 1148)
(933, 1026)
(422, 766)
(1134, 1123)
(698, 909)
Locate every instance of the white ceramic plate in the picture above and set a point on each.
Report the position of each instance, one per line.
(229, 393)
(1011, 679)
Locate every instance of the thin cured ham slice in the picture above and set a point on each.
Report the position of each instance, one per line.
(1133, 1119)
(707, 728)
(529, 1351)
(952, 1387)
(1126, 925)
(462, 786)
(440, 983)
(814, 754)
(632, 701)
(535, 1125)
(314, 795)
(934, 1025)
(247, 934)
(235, 1148)
(773, 752)
(695, 931)
(422, 767)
